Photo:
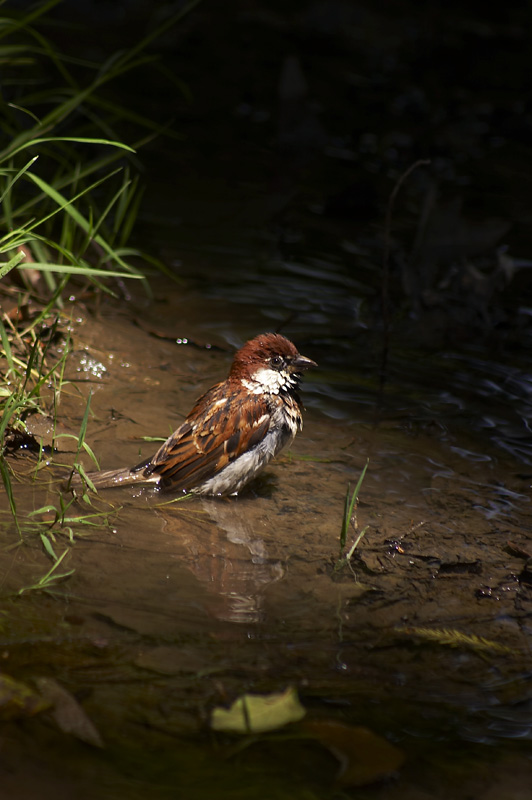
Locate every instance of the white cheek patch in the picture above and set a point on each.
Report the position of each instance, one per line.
(266, 381)
(254, 388)
(269, 381)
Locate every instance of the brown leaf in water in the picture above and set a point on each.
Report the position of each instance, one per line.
(364, 756)
(67, 712)
(19, 700)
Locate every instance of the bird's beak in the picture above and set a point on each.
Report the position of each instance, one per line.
(302, 362)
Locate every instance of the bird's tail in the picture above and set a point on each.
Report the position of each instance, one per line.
(108, 478)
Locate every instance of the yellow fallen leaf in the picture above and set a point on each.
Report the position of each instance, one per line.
(258, 713)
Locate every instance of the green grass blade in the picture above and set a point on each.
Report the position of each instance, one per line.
(349, 506)
(48, 546)
(83, 171)
(6, 347)
(75, 139)
(67, 206)
(29, 18)
(83, 426)
(15, 177)
(11, 264)
(25, 110)
(6, 480)
(42, 510)
(50, 577)
(345, 519)
(70, 269)
(11, 406)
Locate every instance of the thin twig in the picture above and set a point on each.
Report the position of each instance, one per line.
(385, 300)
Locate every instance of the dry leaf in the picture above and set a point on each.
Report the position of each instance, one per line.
(67, 712)
(364, 756)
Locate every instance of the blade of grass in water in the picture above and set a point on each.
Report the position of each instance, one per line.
(348, 508)
(83, 426)
(6, 480)
(48, 546)
(50, 577)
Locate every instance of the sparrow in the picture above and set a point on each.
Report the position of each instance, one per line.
(234, 429)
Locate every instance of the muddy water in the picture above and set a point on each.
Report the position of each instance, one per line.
(175, 608)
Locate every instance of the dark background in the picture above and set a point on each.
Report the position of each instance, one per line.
(283, 128)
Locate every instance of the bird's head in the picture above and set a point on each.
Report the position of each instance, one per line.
(269, 363)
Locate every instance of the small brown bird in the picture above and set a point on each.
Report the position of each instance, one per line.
(234, 429)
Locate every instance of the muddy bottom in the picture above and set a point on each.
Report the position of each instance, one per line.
(173, 608)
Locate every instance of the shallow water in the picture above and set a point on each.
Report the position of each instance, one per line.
(424, 638)
(173, 609)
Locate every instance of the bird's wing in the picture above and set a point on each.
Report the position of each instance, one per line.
(217, 430)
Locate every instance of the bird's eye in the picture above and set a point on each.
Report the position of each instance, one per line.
(276, 362)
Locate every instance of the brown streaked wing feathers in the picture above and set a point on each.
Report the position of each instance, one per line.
(210, 438)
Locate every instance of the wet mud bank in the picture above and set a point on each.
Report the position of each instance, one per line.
(423, 637)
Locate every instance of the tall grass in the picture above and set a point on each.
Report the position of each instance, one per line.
(69, 198)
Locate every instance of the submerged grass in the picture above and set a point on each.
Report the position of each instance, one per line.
(61, 517)
(454, 638)
(348, 520)
(50, 578)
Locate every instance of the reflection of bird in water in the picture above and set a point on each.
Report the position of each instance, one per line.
(233, 431)
(229, 558)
